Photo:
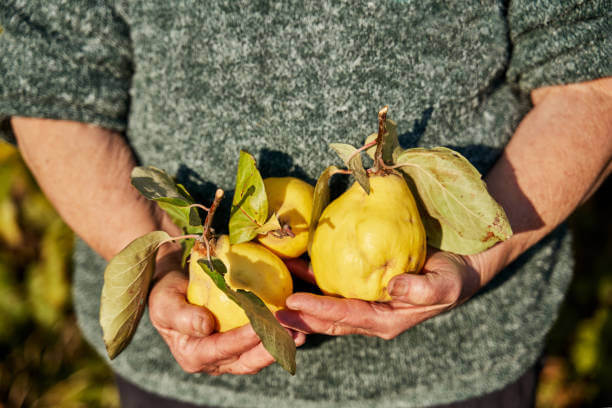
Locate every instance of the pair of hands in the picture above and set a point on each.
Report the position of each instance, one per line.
(447, 281)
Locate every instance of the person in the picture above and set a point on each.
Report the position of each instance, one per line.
(522, 89)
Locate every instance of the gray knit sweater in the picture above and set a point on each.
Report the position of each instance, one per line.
(190, 83)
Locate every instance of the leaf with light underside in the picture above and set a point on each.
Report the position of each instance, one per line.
(320, 200)
(352, 159)
(157, 185)
(462, 217)
(126, 284)
(250, 203)
(273, 224)
(274, 337)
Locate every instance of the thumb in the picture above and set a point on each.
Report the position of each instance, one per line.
(169, 309)
(448, 279)
(418, 290)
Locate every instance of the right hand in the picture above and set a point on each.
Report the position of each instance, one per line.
(189, 331)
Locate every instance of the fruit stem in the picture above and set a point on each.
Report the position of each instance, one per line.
(211, 212)
(285, 231)
(378, 160)
(199, 206)
(362, 148)
(171, 239)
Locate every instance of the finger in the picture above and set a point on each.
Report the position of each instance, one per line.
(432, 288)
(222, 347)
(250, 362)
(323, 314)
(253, 360)
(308, 324)
(169, 309)
(298, 337)
(301, 269)
(293, 320)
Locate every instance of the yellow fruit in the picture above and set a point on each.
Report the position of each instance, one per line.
(250, 266)
(362, 241)
(291, 199)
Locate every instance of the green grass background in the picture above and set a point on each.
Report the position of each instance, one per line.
(44, 361)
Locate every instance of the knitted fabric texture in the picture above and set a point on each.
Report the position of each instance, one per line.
(191, 83)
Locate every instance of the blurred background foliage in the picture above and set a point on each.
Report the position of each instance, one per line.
(44, 362)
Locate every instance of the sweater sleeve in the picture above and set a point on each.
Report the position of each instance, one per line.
(558, 41)
(64, 59)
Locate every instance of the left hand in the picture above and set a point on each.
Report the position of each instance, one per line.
(446, 281)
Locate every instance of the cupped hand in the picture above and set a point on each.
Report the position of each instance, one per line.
(446, 281)
(189, 332)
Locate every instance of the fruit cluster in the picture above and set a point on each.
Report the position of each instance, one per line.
(377, 229)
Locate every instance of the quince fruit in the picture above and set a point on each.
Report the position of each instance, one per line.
(291, 199)
(363, 240)
(251, 267)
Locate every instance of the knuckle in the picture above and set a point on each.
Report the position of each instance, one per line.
(181, 349)
(183, 321)
(335, 330)
(248, 369)
(155, 315)
(390, 335)
(189, 368)
(454, 291)
(213, 370)
(251, 371)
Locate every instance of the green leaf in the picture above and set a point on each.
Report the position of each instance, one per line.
(187, 245)
(352, 159)
(391, 146)
(250, 203)
(320, 200)
(273, 224)
(371, 150)
(157, 185)
(274, 337)
(390, 142)
(461, 215)
(126, 285)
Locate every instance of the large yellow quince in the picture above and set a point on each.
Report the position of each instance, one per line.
(362, 241)
(291, 199)
(251, 267)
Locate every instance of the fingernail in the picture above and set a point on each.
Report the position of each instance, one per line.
(299, 338)
(201, 324)
(397, 288)
(292, 303)
(291, 320)
(198, 323)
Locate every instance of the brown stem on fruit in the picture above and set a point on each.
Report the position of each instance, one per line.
(342, 171)
(378, 161)
(285, 231)
(209, 217)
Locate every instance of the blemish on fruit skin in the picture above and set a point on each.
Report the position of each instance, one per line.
(488, 237)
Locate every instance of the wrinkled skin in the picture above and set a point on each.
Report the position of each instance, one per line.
(189, 330)
(447, 280)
